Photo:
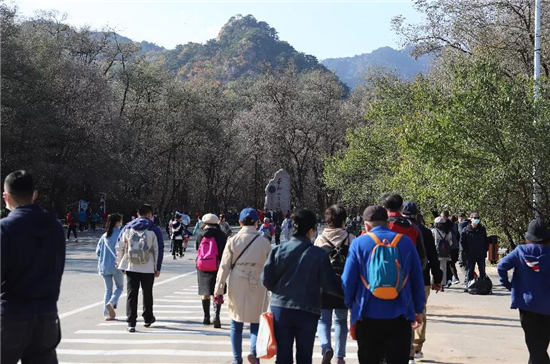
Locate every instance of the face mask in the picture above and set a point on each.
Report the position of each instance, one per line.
(475, 222)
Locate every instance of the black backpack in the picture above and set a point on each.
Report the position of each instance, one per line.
(481, 286)
(337, 255)
(351, 227)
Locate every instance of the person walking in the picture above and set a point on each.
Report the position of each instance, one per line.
(475, 245)
(224, 226)
(411, 212)
(210, 244)
(393, 203)
(287, 228)
(296, 272)
(106, 265)
(139, 253)
(267, 230)
(82, 219)
(33, 259)
(94, 220)
(530, 288)
(443, 243)
(177, 231)
(382, 316)
(72, 221)
(242, 261)
(335, 240)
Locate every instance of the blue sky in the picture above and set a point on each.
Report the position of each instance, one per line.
(323, 29)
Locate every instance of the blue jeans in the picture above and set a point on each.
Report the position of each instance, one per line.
(237, 339)
(340, 330)
(111, 296)
(292, 324)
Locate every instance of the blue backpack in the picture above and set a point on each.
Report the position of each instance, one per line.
(385, 269)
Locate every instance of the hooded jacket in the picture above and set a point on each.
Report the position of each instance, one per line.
(530, 284)
(156, 246)
(33, 260)
(338, 237)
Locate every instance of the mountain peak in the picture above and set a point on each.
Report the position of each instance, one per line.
(240, 25)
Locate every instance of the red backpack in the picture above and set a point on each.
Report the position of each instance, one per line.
(207, 257)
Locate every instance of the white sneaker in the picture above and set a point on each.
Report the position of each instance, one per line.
(412, 361)
(418, 355)
(456, 281)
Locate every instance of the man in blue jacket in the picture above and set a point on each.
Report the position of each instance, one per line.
(33, 260)
(382, 326)
(530, 288)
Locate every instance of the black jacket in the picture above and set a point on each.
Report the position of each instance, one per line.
(474, 241)
(217, 234)
(433, 257)
(33, 260)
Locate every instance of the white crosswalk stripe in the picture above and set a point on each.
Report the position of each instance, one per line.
(178, 335)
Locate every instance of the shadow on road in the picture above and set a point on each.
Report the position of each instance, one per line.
(474, 317)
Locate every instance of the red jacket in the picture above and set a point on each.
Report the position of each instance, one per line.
(401, 225)
(70, 221)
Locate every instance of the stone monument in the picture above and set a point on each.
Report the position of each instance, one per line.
(277, 192)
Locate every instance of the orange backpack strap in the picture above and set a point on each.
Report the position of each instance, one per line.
(375, 238)
(367, 286)
(396, 240)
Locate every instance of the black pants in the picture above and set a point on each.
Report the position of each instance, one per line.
(92, 224)
(133, 281)
(277, 239)
(537, 335)
(82, 225)
(177, 247)
(73, 229)
(30, 338)
(378, 339)
(451, 265)
(472, 261)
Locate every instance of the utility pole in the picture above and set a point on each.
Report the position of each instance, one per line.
(536, 186)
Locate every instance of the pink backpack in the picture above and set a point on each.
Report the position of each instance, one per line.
(207, 257)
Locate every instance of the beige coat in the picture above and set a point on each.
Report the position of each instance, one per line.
(336, 236)
(245, 292)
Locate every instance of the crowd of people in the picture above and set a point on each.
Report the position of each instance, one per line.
(377, 276)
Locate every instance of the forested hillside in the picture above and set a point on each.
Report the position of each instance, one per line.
(351, 70)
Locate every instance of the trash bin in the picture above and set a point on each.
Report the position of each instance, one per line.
(493, 249)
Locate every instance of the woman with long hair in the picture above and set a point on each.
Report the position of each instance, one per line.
(106, 253)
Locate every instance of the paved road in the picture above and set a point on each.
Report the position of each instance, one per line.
(461, 328)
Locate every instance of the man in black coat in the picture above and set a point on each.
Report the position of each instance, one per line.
(410, 211)
(475, 246)
(33, 260)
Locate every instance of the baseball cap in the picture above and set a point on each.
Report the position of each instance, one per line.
(375, 213)
(248, 213)
(409, 209)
